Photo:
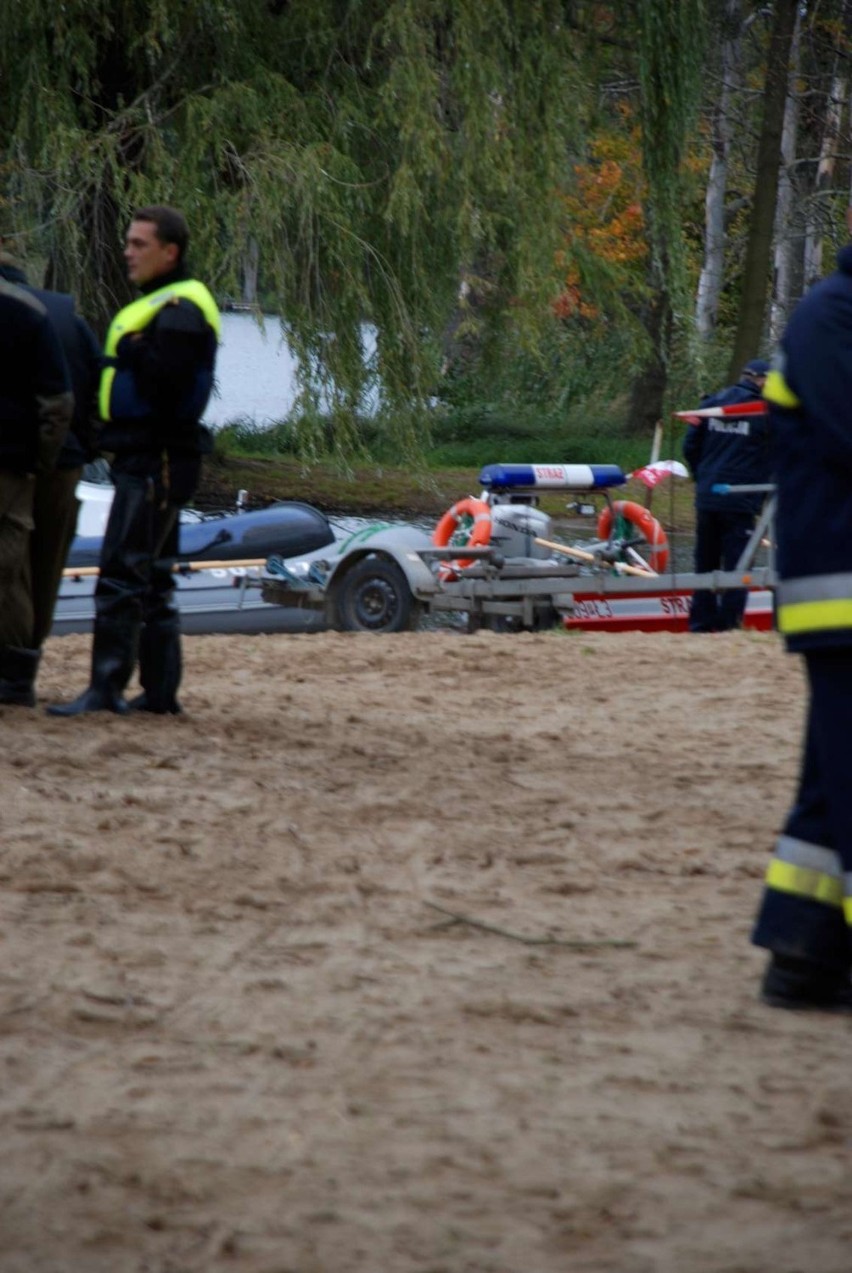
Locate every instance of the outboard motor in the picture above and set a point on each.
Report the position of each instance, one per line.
(515, 526)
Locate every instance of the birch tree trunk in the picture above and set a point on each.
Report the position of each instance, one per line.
(759, 247)
(712, 271)
(819, 211)
(786, 258)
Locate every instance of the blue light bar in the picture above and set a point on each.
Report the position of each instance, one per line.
(552, 477)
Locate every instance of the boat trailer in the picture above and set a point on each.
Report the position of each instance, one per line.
(386, 578)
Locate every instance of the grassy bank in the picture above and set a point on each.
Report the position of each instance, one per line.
(382, 490)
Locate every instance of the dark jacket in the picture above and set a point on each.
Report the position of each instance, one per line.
(812, 441)
(83, 358)
(733, 450)
(171, 364)
(35, 392)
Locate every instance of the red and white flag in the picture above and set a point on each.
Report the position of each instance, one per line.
(652, 474)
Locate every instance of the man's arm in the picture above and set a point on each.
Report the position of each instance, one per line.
(693, 444)
(818, 372)
(53, 396)
(86, 422)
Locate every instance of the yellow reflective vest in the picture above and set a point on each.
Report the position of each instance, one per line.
(135, 317)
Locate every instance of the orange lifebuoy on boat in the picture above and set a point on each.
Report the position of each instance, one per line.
(480, 533)
(657, 552)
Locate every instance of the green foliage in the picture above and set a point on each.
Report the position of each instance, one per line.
(485, 434)
(671, 55)
(371, 154)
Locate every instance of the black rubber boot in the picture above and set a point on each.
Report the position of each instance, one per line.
(804, 986)
(18, 668)
(160, 667)
(113, 660)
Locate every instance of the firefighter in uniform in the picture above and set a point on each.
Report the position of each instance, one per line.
(159, 360)
(805, 918)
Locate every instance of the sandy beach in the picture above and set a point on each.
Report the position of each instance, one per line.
(413, 954)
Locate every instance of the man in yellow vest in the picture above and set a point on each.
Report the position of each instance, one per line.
(159, 357)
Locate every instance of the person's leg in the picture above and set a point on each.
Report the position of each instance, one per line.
(55, 506)
(160, 657)
(160, 660)
(54, 524)
(125, 568)
(806, 909)
(735, 531)
(17, 659)
(16, 522)
(703, 610)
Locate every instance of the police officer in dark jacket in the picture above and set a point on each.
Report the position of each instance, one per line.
(159, 361)
(55, 503)
(805, 918)
(35, 411)
(732, 450)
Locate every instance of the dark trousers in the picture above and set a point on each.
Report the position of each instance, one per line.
(55, 521)
(802, 915)
(140, 531)
(16, 522)
(720, 539)
(135, 612)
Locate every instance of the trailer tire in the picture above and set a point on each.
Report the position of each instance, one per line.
(374, 596)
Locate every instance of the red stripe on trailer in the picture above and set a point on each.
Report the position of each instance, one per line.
(655, 612)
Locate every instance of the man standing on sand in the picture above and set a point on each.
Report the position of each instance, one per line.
(35, 411)
(805, 918)
(55, 503)
(160, 356)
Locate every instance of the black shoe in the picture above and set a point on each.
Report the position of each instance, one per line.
(91, 700)
(18, 668)
(160, 665)
(803, 986)
(114, 644)
(143, 703)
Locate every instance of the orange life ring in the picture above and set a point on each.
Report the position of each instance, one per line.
(657, 555)
(479, 536)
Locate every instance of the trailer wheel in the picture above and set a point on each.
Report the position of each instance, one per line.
(374, 596)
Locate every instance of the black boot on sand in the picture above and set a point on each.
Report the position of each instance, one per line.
(18, 669)
(113, 660)
(804, 986)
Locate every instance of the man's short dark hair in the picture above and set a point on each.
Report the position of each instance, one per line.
(170, 225)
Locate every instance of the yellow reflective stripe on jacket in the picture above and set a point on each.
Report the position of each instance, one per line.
(814, 616)
(803, 881)
(777, 391)
(136, 316)
(815, 603)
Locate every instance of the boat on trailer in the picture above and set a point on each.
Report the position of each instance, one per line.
(493, 560)
(219, 556)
